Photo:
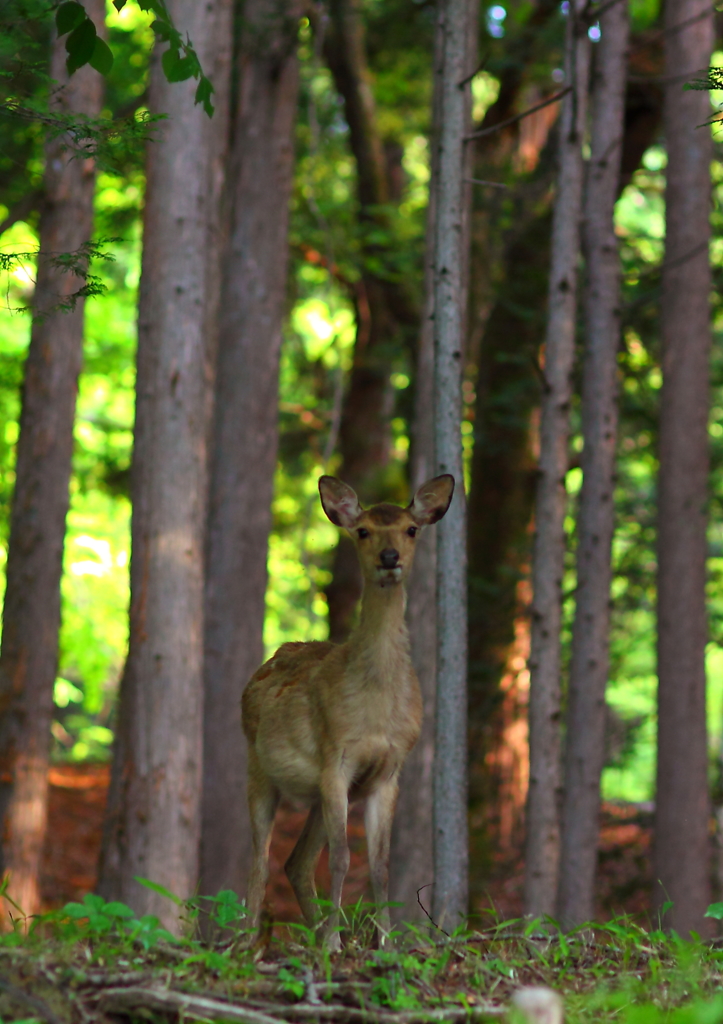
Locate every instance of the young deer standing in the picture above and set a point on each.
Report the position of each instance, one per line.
(330, 723)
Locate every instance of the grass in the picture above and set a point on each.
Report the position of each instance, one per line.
(96, 962)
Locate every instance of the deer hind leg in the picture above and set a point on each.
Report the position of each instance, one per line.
(263, 800)
(301, 864)
(335, 806)
(378, 818)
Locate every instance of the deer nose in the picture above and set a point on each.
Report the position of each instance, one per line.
(389, 558)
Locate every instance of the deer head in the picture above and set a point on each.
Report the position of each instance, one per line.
(385, 535)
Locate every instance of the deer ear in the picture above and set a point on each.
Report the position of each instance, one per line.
(432, 499)
(339, 501)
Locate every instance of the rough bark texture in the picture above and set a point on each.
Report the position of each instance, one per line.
(244, 445)
(509, 282)
(542, 848)
(411, 864)
(31, 616)
(681, 845)
(585, 732)
(154, 815)
(452, 196)
(503, 472)
(364, 436)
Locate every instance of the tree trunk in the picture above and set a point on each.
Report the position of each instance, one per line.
(243, 457)
(501, 500)
(585, 732)
(681, 845)
(456, 24)
(364, 433)
(411, 864)
(31, 617)
(542, 848)
(155, 812)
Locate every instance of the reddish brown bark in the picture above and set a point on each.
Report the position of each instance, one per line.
(681, 851)
(31, 617)
(244, 443)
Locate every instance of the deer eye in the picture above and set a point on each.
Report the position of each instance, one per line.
(362, 533)
(412, 531)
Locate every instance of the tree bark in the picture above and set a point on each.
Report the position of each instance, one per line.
(585, 732)
(31, 616)
(411, 864)
(681, 844)
(502, 492)
(154, 815)
(456, 25)
(364, 433)
(244, 446)
(542, 847)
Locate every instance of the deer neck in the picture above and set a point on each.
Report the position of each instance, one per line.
(380, 643)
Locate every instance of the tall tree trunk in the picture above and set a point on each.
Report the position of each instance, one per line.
(456, 24)
(411, 864)
(502, 490)
(509, 282)
(364, 433)
(585, 732)
(542, 848)
(243, 456)
(31, 617)
(681, 845)
(155, 811)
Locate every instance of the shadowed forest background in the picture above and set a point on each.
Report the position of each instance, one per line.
(349, 400)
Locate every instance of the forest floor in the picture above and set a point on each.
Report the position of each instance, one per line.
(89, 962)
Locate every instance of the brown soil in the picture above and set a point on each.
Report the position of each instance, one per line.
(77, 802)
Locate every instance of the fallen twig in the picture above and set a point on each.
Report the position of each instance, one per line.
(126, 1000)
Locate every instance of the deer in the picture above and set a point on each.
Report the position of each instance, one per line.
(331, 724)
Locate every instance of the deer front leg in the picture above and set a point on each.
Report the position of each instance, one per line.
(335, 806)
(378, 818)
(263, 800)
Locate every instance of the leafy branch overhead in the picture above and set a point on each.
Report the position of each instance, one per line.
(84, 46)
(712, 80)
(75, 263)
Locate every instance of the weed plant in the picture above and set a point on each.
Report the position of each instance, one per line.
(77, 963)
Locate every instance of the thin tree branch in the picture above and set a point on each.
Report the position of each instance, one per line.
(518, 117)
(480, 67)
(491, 184)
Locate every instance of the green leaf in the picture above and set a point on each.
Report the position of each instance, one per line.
(68, 16)
(76, 910)
(175, 67)
(160, 889)
(101, 59)
(204, 92)
(80, 45)
(715, 910)
(119, 4)
(115, 909)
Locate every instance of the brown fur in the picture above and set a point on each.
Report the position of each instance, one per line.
(327, 724)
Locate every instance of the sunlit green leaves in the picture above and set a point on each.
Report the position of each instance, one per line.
(84, 46)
